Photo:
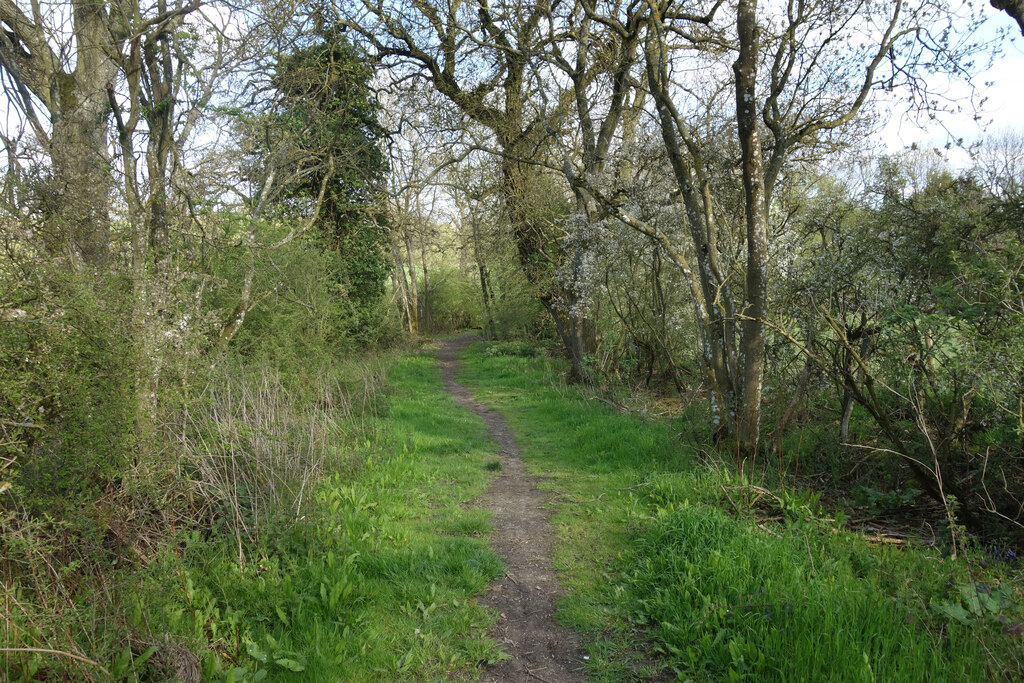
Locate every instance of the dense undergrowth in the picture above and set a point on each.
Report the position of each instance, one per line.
(344, 549)
(663, 543)
(378, 579)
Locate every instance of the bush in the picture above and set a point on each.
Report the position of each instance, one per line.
(128, 432)
(518, 349)
(66, 389)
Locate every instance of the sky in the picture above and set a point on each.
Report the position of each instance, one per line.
(999, 96)
(998, 90)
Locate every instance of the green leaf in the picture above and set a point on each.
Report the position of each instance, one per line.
(952, 610)
(255, 652)
(141, 659)
(995, 599)
(290, 664)
(972, 598)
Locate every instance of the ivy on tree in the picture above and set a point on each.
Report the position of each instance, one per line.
(328, 109)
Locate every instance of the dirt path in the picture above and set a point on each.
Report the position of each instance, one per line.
(541, 650)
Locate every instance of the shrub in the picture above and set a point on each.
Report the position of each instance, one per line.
(513, 348)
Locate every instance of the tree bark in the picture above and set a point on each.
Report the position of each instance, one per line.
(402, 284)
(844, 419)
(751, 355)
(488, 298)
(486, 290)
(159, 112)
(79, 214)
(414, 292)
(426, 321)
(1015, 8)
(76, 209)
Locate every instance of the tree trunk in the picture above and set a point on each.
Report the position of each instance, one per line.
(488, 297)
(426, 322)
(578, 372)
(79, 217)
(751, 355)
(75, 205)
(402, 285)
(79, 114)
(848, 397)
(844, 420)
(414, 293)
(160, 118)
(485, 285)
(529, 244)
(712, 297)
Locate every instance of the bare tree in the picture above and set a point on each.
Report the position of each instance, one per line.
(478, 56)
(802, 77)
(755, 311)
(64, 59)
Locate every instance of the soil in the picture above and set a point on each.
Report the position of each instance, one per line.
(539, 649)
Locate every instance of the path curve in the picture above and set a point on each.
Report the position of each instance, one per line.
(540, 649)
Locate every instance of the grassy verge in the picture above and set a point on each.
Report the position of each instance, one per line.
(659, 549)
(380, 584)
(375, 582)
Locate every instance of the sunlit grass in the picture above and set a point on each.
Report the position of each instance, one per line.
(380, 583)
(668, 568)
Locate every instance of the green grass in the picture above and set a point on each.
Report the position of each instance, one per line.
(380, 583)
(667, 567)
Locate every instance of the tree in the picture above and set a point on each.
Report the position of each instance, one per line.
(755, 309)
(475, 220)
(802, 75)
(915, 316)
(328, 110)
(68, 70)
(478, 57)
(1015, 8)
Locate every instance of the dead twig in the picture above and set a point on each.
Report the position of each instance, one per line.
(885, 540)
(614, 404)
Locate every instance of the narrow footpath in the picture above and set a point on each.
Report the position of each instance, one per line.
(540, 649)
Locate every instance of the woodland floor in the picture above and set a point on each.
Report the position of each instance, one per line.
(539, 649)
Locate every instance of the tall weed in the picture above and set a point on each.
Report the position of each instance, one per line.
(254, 447)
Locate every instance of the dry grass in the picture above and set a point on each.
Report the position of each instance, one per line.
(247, 451)
(253, 449)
